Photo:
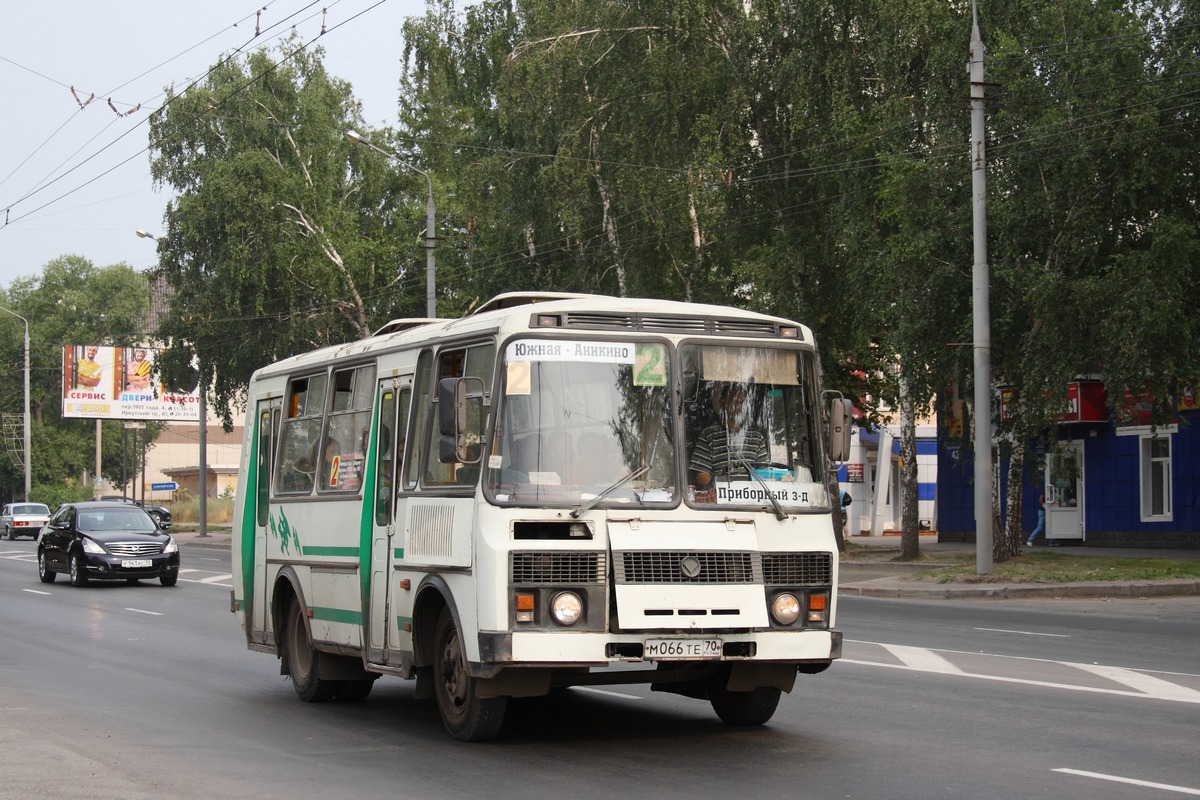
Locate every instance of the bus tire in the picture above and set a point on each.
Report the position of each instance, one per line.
(355, 691)
(304, 661)
(744, 709)
(466, 717)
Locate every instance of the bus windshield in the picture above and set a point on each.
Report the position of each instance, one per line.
(751, 427)
(576, 417)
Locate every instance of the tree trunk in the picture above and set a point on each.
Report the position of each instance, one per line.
(910, 535)
(1008, 543)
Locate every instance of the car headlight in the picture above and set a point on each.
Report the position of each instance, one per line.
(785, 608)
(566, 608)
(91, 547)
(171, 546)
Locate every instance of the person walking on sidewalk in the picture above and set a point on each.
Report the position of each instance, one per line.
(1041, 521)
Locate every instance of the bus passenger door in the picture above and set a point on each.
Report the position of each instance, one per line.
(392, 426)
(268, 435)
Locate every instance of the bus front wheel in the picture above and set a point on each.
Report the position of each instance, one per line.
(744, 708)
(466, 717)
(304, 660)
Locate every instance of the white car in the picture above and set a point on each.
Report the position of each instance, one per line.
(23, 519)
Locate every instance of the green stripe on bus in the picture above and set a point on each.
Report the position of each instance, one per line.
(398, 553)
(336, 615)
(350, 552)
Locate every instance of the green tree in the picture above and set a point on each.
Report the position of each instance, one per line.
(281, 237)
(71, 302)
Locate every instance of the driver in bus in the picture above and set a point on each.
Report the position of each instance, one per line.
(723, 446)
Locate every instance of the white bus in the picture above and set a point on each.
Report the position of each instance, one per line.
(556, 490)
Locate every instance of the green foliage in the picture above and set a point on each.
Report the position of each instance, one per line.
(71, 302)
(281, 237)
(54, 495)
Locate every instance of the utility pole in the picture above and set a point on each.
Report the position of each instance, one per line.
(981, 317)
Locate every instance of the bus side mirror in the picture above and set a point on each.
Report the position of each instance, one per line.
(840, 425)
(460, 420)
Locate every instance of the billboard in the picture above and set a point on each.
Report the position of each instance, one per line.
(120, 383)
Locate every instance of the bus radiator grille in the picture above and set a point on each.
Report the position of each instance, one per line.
(669, 566)
(797, 569)
(556, 567)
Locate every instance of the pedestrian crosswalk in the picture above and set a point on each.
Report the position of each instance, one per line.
(1144, 684)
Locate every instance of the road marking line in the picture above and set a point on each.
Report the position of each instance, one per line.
(1024, 633)
(217, 578)
(1147, 684)
(919, 658)
(1027, 681)
(1166, 787)
(143, 611)
(594, 690)
(34, 591)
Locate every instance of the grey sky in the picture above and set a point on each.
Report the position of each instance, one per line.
(77, 180)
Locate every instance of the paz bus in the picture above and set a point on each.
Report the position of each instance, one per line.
(514, 502)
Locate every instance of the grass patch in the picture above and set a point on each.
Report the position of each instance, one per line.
(218, 511)
(1064, 568)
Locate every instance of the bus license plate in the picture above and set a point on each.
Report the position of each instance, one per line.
(664, 649)
(137, 563)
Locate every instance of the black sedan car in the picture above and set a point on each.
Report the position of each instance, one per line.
(105, 541)
(159, 514)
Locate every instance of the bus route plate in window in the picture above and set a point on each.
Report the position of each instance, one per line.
(666, 649)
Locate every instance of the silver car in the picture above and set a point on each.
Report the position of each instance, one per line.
(23, 519)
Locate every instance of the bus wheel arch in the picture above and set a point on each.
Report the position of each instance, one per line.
(433, 595)
(300, 659)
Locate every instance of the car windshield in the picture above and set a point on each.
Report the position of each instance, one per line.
(34, 509)
(577, 417)
(116, 519)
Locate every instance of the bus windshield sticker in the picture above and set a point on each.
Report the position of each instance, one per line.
(547, 350)
(517, 381)
(789, 493)
(650, 368)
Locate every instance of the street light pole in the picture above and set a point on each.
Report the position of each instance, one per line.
(202, 478)
(430, 222)
(981, 316)
(28, 471)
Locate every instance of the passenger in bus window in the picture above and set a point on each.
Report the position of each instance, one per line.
(723, 446)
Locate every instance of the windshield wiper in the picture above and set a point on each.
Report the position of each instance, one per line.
(586, 506)
(779, 512)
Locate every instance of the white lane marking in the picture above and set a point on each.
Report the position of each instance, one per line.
(1166, 787)
(594, 690)
(1027, 681)
(34, 591)
(1024, 633)
(143, 611)
(217, 578)
(922, 660)
(1147, 684)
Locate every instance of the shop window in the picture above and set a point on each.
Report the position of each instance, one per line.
(1155, 474)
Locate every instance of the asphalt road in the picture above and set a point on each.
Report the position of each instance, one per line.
(116, 691)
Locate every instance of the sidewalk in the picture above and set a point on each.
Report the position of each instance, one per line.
(882, 577)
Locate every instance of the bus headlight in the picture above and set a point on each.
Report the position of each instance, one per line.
(785, 608)
(566, 608)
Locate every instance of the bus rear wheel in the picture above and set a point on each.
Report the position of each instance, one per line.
(304, 660)
(466, 717)
(744, 708)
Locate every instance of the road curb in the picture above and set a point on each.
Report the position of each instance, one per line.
(888, 588)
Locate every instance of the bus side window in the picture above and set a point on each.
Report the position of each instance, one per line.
(298, 457)
(475, 362)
